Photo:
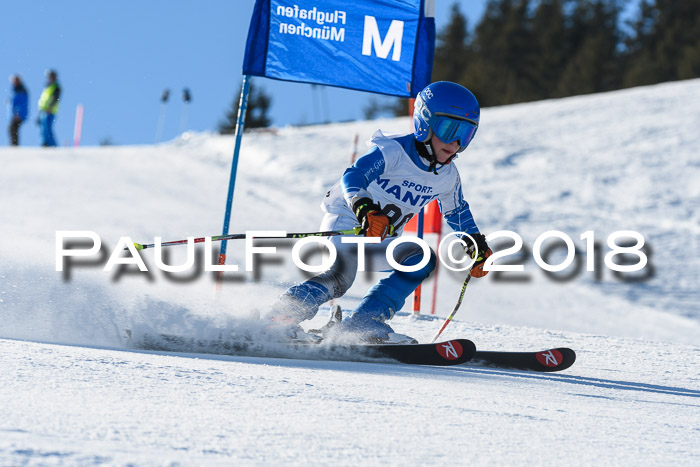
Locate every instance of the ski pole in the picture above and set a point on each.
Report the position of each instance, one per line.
(454, 311)
(218, 238)
(161, 117)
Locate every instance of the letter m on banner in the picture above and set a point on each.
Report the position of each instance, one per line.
(393, 39)
(379, 46)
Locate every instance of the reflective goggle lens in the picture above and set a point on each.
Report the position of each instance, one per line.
(449, 129)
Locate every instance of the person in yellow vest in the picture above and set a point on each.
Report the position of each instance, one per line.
(48, 107)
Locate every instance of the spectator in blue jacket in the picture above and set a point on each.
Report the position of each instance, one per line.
(19, 108)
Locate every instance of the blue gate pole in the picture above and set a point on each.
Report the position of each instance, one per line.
(240, 123)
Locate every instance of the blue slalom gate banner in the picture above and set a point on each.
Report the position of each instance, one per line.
(381, 46)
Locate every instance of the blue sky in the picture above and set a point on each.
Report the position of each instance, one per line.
(116, 58)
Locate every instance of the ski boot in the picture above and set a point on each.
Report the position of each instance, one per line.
(368, 324)
(336, 316)
(285, 317)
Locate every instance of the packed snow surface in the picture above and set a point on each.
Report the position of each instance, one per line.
(76, 391)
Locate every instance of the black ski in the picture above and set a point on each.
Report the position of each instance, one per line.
(446, 353)
(453, 352)
(545, 361)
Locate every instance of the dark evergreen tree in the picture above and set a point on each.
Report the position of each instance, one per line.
(549, 34)
(452, 52)
(521, 55)
(524, 50)
(502, 67)
(485, 74)
(398, 107)
(594, 36)
(665, 45)
(394, 107)
(256, 111)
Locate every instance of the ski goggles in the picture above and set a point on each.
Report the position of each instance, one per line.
(450, 129)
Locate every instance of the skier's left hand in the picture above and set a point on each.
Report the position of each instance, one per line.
(480, 252)
(374, 223)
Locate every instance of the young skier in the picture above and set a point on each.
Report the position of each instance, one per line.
(381, 192)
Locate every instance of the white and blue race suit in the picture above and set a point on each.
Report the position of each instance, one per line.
(396, 177)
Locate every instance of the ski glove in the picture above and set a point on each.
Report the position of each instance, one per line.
(373, 222)
(480, 252)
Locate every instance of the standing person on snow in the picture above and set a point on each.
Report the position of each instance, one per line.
(381, 192)
(48, 107)
(19, 108)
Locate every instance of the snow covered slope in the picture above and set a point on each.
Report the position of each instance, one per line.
(618, 161)
(86, 406)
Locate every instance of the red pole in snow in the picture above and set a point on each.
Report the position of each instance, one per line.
(78, 129)
(354, 149)
(435, 278)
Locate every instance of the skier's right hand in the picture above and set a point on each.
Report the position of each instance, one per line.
(373, 222)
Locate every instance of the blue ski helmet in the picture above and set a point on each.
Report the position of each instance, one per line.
(448, 111)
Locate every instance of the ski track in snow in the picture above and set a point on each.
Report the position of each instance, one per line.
(76, 392)
(82, 405)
